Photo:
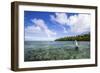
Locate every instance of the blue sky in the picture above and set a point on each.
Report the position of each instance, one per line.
(47, 26)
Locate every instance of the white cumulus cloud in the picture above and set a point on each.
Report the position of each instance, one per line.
(40, 23)
(60, 18)
(38, 30)
(78, 24)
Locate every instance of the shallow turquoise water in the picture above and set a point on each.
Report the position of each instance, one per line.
(49, 50)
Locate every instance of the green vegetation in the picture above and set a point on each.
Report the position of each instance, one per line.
(84, 37)
(51, 53)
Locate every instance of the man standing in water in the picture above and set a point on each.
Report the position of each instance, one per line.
(76, 45)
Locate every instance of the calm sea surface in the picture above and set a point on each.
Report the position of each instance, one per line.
(55, 50)
(54, 44)
(29, 45)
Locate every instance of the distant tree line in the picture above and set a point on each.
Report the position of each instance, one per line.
(84, 37)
